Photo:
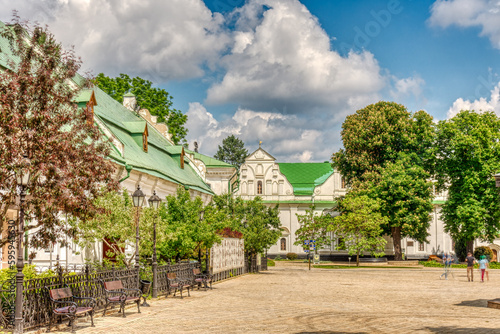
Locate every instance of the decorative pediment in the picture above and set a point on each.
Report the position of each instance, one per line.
(260, 155)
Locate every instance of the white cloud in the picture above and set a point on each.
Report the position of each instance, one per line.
(467, 13)
(160, 40)
(411, 86)
(482, 104)
(282, 135)
(281, 59)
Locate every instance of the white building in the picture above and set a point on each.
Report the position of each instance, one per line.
(296, 186)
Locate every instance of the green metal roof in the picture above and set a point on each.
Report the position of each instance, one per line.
(83, 96)
(129, 94)
(158, 161)
(5, 50)
(135, 127)
(304, 177)
(209, 161)
(300, 202)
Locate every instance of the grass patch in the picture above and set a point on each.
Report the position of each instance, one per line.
(271, 263)
(364, 267)
(434, 264)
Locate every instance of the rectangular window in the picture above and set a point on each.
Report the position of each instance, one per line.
(342, 182)
(420, 246)
(409, 243)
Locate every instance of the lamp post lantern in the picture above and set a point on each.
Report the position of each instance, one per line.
(138, 199)
(22, 180)
(154, 202)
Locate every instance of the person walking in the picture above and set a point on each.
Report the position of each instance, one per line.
(470, 266)
(447, 264)
(483, 264)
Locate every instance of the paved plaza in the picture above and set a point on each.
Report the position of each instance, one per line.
(295, 300)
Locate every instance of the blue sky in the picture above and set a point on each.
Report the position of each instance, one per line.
(283, 71)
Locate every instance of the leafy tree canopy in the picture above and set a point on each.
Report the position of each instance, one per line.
(386, 146)
(232, 151)
(468, 155)
(360, 225)
(158, 101)
(313, 227)
(38, 118)
(259, 224)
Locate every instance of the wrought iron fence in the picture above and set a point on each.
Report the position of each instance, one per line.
(85, 283)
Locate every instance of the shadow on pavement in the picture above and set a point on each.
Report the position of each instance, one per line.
(456, 330)
(474, 303)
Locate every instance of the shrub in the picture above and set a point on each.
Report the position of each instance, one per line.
(291, 256)
(277, 258)
(483, 250)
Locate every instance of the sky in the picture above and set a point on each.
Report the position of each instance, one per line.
(286, 72)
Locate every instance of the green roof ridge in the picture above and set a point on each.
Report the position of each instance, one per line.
(305, 176)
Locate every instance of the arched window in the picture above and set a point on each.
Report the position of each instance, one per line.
(259, 187)
(283, 244)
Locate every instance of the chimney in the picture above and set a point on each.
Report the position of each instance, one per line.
(182, 158)
(129, 101)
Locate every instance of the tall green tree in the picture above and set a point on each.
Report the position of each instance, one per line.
(468, 151)
(261, 227)
(387, 134)
(405, 196)
(360, 225)
(158, 101)
(38, 118)
(232, 151)
(313, 227)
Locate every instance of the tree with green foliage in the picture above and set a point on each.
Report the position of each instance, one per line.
(360, 225)
(114, 226)
(405, 196)
(232, 151)
(468, 151)
(260, 228)
(386, 135)
(259, 224)
(158, 101)
(313, 227)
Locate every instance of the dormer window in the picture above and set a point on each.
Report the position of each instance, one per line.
(145, 139)
(89, 109)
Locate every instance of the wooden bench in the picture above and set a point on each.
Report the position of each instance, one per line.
(177, 284)
(65, 304)
(200, 279)
(117, 294)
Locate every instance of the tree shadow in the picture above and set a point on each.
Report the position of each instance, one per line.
(474, 303)
(457, 330)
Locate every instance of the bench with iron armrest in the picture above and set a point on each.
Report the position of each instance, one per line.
(177, 283)
(200, 279)
(65, 304)
(117, 294)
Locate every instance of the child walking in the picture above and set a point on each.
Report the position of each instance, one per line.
(483, 264)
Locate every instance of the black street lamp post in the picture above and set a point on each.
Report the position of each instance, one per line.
(154, 202)
(138, 199)
(202, 212)
(22, 179)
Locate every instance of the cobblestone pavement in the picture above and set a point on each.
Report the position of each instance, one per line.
(295, 300)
